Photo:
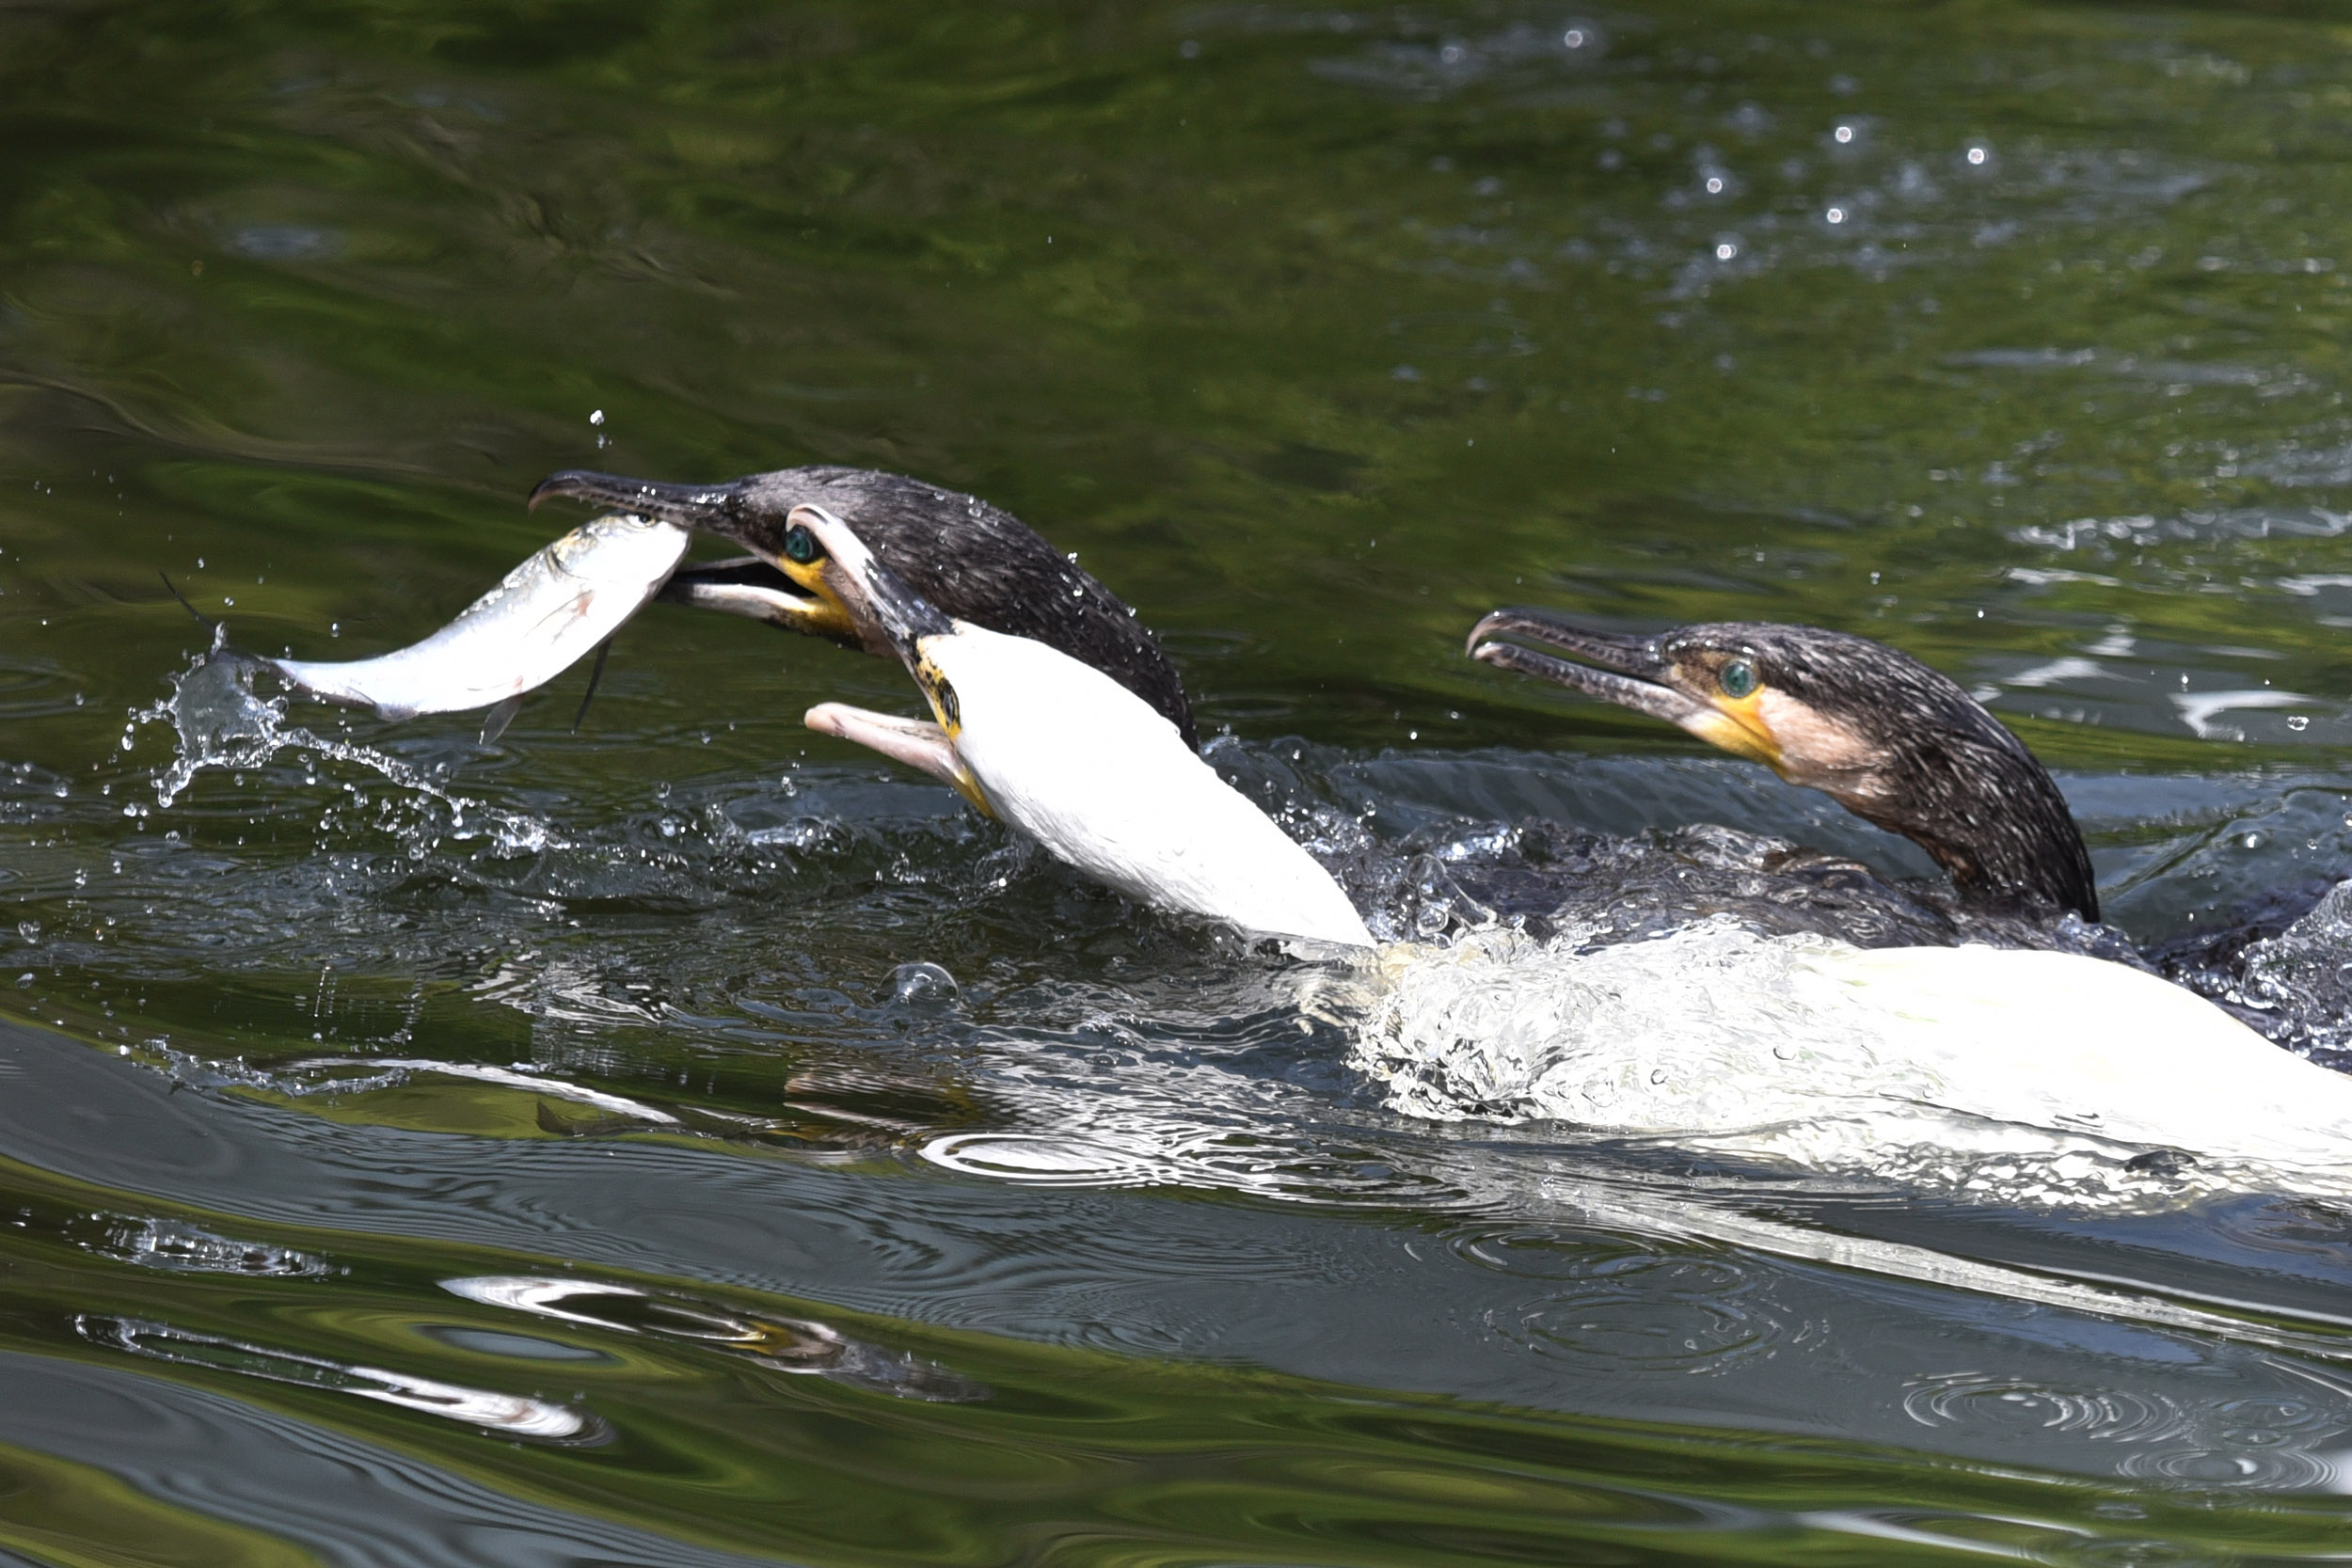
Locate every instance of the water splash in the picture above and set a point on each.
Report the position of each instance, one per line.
(1807, 1051)
(218, 722)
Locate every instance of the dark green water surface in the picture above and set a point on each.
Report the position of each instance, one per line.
(419, 1152)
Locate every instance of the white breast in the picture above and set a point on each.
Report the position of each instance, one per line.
(1073, 759)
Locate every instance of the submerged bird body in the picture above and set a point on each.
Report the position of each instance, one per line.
(1896, 1059)
(974, 562)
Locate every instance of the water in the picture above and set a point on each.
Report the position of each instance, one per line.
(686, 1140)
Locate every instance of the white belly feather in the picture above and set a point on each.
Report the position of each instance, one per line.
(1077, 762)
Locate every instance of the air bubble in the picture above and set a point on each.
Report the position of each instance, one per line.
(922, 984)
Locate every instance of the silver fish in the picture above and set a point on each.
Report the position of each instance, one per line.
(549, 613)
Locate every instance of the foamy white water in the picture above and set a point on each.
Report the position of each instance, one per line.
(1948, 1063)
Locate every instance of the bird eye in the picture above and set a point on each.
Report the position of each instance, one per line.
(800, 546)
(1738, 678)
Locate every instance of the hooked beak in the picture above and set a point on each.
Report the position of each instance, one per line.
(798, 598)
(1631, 671)
(716, 508)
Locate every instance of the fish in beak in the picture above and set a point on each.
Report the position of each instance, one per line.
(769, 585)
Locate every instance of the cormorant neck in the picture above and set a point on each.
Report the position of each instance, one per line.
(1991, 816)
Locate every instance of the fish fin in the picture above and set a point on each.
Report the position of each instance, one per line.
(495, 722)
(595, 674)
(202, 619)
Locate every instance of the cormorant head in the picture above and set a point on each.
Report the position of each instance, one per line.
(974, 562)
(1880, 733)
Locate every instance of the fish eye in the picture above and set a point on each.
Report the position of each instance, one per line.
(800, 546)
(1738, 678)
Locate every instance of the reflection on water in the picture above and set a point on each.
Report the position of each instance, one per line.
(506, 1413)
(860, 1186)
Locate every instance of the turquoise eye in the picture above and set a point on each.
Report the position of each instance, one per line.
(800, 546)
(1738, 678)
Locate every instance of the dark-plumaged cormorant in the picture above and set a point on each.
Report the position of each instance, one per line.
(1877, 731)
(974, 562)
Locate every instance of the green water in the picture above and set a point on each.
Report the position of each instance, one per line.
(2011, 334)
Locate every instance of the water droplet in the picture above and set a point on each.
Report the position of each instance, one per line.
(596, 417)
(1844, 135)
(1976, 155)
(922, 984)
(2299, 722)
(1837, 214)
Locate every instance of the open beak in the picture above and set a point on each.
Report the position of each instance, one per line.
(888, 616)
(1631, 671)
(772, 588)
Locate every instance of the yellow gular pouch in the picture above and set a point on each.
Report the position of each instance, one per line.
(825, 615)
(1737, 725)
(941, 693)
(938, 690)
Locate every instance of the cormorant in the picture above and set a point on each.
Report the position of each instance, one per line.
(972, 560)
(1877, 731)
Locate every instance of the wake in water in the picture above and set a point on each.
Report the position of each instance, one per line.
(1942, 1067)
